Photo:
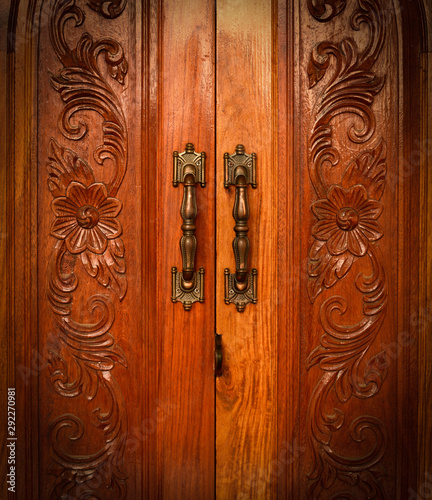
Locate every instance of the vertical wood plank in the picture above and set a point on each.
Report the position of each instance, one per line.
(185, 338)
(290, 450)
(151, 411)
(22, 226)
(425, 318)
(4, 237)
(246, 392)
(408, 337)
(284, 105)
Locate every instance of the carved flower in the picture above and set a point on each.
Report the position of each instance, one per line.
(85, 218)
(347, 220)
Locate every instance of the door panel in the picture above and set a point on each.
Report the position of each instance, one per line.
(83, 354)
(353, 330)
(116, 396)
(246, 391)
(185, 338)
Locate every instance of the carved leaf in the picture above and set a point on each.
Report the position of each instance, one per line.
(60, 377)
(325, 10)
(368, 169)
(65, 166)
(324, 269)
(56, 469)
(329, 475)
(376, 368)
(108, 268)
(99, 355)
(343, 386)
(317, 68)
(108, 8)
(86, 54)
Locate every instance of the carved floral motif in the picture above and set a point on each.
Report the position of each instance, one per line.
(347, 230)
(346, 220)
(84, 353)
(86, 218)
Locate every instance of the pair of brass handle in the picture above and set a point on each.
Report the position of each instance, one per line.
(239, 170)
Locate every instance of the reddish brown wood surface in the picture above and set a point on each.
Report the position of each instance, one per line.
(152, 445)
(89, 243)
(293, 384)
(289, 450)
(246, 391)
(185, 338)
(357, 391)
(3, 248)
(425, 316)
(23, 368)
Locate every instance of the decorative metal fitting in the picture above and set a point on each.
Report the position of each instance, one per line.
(187, 297)
(189, 170)
(240, 288)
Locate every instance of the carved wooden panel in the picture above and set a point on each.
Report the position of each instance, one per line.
(352, 338)
(347, 231)
(84, 135)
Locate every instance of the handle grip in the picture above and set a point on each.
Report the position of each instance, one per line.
(188, 241)
(241, 241)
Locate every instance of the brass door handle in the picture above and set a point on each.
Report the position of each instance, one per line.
(187, 285)
(240, 288)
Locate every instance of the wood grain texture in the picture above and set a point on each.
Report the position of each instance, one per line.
(4, 11)
(425, 318)
(409, 169)
(21, 226)
(286, 467)
(264, 444)
(185, 338)
(246, 392)
(427, 26)
(152, 411)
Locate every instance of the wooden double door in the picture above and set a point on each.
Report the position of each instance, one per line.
(317, 395)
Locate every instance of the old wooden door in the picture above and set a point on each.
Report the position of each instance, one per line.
(113, 382)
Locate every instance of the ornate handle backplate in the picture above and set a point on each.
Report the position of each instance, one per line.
(240, 287)
(188, 285)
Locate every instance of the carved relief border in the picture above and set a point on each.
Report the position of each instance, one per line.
(87, 232)
(347, 230)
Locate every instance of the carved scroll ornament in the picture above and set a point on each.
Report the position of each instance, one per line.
(347, 230)
(87, 231)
